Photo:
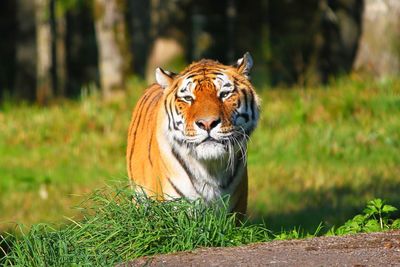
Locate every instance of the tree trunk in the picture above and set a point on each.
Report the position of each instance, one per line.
(231, 14)
(81, 49)
(59, 61)
(114, 60)
(8, 29)
(165, 47)
(25, 77)
(44, 90)
(139, 31)
(379, 47)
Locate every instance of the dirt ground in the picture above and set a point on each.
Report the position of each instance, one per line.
(376, 249)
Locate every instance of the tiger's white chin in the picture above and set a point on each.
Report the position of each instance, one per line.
(210, 150)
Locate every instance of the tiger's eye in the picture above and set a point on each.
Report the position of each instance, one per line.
(188, 98)
(223, 94)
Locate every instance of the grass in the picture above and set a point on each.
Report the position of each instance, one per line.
(320, 153)
(317, 156)
(375, 217)
(50, 157)
(115, 230)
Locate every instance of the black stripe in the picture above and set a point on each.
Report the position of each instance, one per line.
(180, 142)
(142, 103)
(234, 89)
(219, 78)
(169, 114)
(137, 118)
(228, 85)
(150, 105)
(149, 152)
(166, 111)
(232, 177)
(140, 107)
(186, 169)
(217, 73)
(245, 98)
(190, 76)
(244, 115)
(239, 104)
(176, 110)
(253, 115)
(179, 192)
(172, 91)
(173, 119)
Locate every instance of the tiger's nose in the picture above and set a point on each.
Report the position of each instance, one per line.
(208, 123)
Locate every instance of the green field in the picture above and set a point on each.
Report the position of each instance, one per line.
(112, 230)
(318, 155)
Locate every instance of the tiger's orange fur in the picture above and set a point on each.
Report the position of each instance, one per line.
(187, 137)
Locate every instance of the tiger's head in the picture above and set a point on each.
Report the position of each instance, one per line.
(211, 108)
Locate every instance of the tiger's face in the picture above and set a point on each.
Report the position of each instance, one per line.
(211, 108)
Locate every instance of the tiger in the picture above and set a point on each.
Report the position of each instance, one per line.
(189, 131)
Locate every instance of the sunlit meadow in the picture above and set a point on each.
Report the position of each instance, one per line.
(317, 156)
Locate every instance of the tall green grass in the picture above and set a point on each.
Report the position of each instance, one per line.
(121, 225)
(115, 229)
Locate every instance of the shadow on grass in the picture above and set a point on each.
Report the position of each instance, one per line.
(331, 207)
(5, 246)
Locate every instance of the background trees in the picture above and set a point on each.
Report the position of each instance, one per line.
(114, 57)
(379, 49)
(55, 48)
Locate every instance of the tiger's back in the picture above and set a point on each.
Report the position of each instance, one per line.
(188, 133)
(142, 152)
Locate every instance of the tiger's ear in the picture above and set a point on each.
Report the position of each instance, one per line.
(164, 78)
(244, 64)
